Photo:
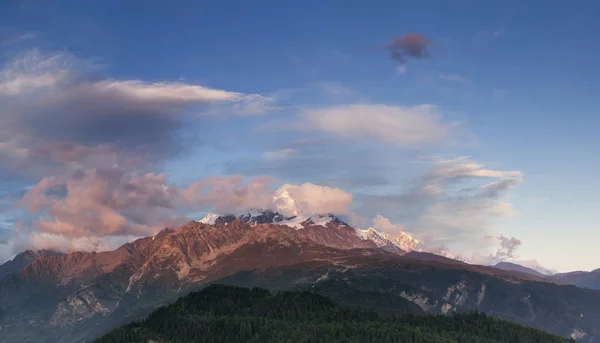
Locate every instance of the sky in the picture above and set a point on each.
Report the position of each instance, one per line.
(470, 125)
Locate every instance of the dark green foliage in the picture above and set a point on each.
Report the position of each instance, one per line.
(231, 314)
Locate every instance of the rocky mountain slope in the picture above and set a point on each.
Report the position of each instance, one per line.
(69, 298)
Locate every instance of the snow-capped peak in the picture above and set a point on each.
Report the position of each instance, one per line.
(261, 216)
(209, 219)
(403, 240)
(373, 235)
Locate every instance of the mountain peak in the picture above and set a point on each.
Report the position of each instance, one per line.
(209, 219)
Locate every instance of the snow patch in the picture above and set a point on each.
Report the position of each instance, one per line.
(578, 334)
(209, 219)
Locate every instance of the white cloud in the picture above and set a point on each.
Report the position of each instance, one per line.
(457, 203)
(454, 77)
(279, 154)
(390, 124)
(383, 224)
(312, 199)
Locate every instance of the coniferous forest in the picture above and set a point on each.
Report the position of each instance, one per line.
(232, 314)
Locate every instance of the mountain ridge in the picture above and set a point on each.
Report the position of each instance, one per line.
(78, 295)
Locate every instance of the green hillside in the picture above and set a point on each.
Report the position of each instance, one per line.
(232, 314)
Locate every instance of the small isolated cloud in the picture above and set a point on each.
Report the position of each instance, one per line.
(279, 154)
(454, 77)
(508, 247)
(390, 124)
(411, 46)
(248, 105)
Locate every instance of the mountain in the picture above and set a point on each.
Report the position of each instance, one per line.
(392, 284)
(517, 268)
(427, 256)
(579, 278)
(403, 240)
(22, 260)
(535, 265)
(74, 297)
(221, 313)
(379, 240)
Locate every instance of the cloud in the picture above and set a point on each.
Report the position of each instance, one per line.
(390, 124)
(95, 208)
(453, 203)
(313, 199)
(223, 194)
(102, 202)
(508, 247)
(454, 77)
(56, 98)
(383, 224)
(249, 105)
(9, 38)
(91, 147)
(281, 154)
(412, 45)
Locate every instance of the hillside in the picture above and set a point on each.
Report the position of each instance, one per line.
(230, 314)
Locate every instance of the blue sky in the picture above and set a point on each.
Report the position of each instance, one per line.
(513, 81)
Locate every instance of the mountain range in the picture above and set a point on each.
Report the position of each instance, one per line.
(73, 297)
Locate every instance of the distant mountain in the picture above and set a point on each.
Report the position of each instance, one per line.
(74, 297)
(226, 314)
(535, 265)
(579, 278)
(22, 260)
(517, 268)
(427, 256)
(380, 240)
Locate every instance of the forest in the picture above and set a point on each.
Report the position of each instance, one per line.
(221, 313)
